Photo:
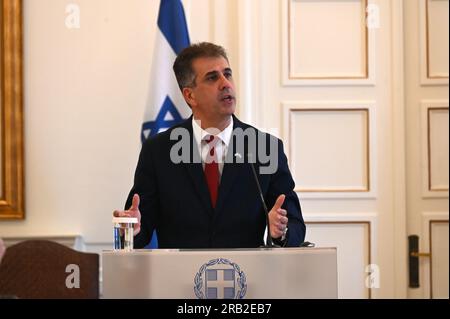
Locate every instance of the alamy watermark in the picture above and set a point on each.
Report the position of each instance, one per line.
(72, 20)
(246, 146)
(373, 16)
(373, 279)
(73, 279)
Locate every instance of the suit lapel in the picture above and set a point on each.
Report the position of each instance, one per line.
(229, 173)
(195, 170)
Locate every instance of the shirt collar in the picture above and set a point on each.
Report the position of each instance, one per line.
(200, 133)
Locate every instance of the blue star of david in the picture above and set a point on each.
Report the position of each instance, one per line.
(160, 122)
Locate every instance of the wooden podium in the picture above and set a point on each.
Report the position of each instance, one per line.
(263, 273)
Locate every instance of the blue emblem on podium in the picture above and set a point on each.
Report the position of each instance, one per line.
(220, 279)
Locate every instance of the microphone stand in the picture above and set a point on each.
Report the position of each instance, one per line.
(269, 240)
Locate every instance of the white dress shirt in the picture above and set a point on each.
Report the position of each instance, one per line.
(221, 147)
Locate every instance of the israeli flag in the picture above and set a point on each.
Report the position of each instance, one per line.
(165, 103)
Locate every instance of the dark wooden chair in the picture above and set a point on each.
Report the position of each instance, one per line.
(46, 269)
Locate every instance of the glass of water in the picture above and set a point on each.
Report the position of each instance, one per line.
(123, 232)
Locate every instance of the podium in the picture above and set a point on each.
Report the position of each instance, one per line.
(263, 273)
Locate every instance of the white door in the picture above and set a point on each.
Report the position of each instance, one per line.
(325, 82)
(426, 70)
(345, 100)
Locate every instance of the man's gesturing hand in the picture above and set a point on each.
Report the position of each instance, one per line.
(277, 218)
(133, 211)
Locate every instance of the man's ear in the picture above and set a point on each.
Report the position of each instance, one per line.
(189, 96)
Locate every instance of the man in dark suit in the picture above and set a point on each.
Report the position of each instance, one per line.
(194, 183)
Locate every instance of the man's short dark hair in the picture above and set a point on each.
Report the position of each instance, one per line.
(183, 63)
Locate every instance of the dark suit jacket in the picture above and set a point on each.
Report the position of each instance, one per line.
(175, 198)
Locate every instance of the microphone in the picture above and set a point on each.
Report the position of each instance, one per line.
(269, 241)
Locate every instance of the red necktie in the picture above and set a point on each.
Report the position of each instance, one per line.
(212, 169)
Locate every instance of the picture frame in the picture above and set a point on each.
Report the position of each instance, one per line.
(12, 197)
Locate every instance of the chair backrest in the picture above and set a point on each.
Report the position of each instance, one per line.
(46, 269)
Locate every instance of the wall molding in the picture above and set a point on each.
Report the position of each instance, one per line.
(367, 191)
(368, 220)
(288, 79)
(427, 106)
(71, 241)
(425, 246)
(424, 29)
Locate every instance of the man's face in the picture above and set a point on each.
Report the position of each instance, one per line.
(213, 97)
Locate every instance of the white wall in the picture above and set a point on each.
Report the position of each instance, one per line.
(85, 91)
